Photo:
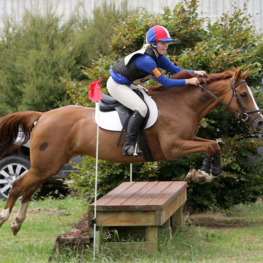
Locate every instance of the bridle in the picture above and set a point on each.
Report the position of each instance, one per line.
(244, 114)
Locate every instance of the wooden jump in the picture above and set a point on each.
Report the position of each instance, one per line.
(138, 210)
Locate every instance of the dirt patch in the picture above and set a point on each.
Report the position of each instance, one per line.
(49, 211)
(219, 221)
(216, 223)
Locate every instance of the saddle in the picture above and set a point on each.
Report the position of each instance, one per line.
(108, 104)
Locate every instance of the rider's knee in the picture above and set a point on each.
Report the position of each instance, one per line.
(143, 110)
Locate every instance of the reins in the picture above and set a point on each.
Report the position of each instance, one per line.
(244, 114)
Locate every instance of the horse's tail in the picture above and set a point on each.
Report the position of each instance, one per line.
(11, 125)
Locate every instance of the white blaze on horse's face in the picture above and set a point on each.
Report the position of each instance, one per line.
(253, 99)
(258, 124)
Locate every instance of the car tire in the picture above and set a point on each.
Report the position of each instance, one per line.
(11, 168)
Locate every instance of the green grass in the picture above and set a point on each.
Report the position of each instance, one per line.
(46, 219)
(232, 236)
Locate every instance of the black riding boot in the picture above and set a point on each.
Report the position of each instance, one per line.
(131, 134)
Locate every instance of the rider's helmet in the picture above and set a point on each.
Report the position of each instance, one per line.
(157, 33)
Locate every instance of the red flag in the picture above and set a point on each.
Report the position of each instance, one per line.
(95, 92)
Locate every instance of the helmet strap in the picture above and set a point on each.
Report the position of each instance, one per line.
(154, 46)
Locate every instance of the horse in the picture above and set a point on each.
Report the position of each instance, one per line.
(63, 133)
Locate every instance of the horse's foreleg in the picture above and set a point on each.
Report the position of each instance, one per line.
(209, 147)
(217, 164)
(21, 215)
(214, 159)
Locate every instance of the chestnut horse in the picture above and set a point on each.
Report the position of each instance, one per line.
(63, 133)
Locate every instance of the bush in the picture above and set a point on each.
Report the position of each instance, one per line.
(37, 51)
(33, 55)
(224, 45)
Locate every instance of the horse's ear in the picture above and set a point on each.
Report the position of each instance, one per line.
(244, 75)
(237, 75)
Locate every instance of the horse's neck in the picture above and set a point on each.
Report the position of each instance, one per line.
(189, 98)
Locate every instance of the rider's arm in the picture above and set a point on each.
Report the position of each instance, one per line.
(147, 64)
(166, 82)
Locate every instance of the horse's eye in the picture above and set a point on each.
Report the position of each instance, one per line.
(244, 94)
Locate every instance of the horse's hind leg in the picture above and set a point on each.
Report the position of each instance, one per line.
(20, 186)
(14, 194)
(21, 215)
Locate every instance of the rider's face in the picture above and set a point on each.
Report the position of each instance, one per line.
(162, 47)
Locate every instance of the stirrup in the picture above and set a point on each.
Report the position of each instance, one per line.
(137, 153)
(132, 151)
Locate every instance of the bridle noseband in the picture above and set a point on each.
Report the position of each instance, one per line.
(244, 114)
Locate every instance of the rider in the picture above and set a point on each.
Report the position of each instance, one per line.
(139, 67)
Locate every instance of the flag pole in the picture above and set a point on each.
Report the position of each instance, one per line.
(95, 95)
(130, 172)
(96, 182)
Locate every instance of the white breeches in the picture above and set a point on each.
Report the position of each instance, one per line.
(126, 96)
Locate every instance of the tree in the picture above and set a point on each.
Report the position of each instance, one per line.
(230, 42)
(41, 48)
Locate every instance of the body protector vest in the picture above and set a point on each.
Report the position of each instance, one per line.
(128, 69)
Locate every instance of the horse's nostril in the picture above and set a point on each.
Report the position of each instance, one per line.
(260, 123)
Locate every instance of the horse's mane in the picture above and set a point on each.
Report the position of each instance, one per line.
(217, 76)
(187, 75)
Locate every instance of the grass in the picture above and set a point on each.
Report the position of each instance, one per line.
(46, 219)
(232, 236)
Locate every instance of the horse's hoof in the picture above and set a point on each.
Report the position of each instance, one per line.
(1, 222)
(4, 215)
(191, 175)
(206, 179)
(15, 227)
(199, 175)
(188, 177)
(202, 180)
(216, 171)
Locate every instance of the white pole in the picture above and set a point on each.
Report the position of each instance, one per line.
(96, 181)
(130, 172)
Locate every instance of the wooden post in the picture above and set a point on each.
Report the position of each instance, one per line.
(177, 218)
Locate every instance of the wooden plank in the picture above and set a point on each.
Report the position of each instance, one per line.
(151, 194)
(128, 193)
(169, 194)
(112, 194)
(177, 217)
(151, 234)
(168, 211)
(154, 196)
(126, 218)
(139, 194)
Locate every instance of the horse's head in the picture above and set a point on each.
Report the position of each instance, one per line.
(242, 101)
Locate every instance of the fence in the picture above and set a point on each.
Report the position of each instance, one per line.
(212, 9)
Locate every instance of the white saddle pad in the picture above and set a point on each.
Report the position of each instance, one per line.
(111, 121)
